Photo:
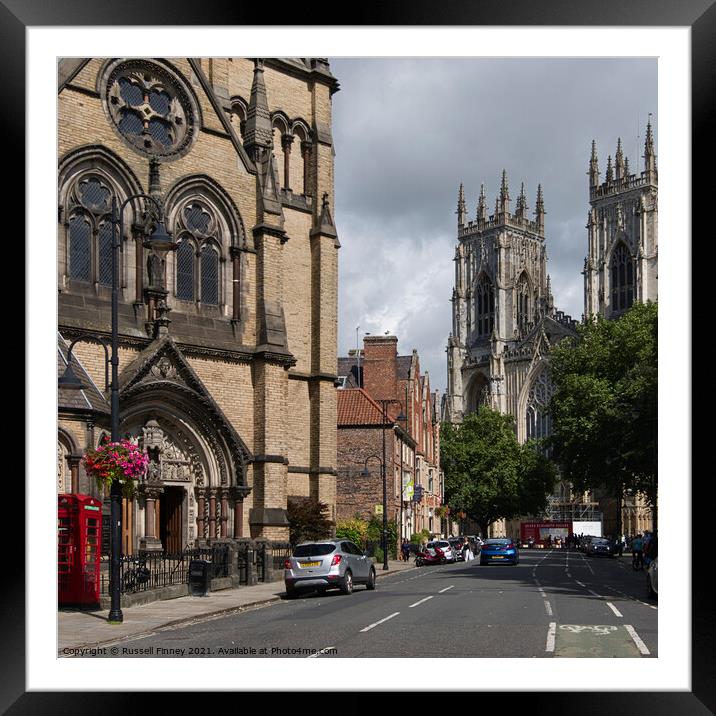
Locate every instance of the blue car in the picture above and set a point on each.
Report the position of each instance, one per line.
(499, 550)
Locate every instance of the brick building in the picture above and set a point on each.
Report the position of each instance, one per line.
(384, 375)
(362, 431)
(227, 344)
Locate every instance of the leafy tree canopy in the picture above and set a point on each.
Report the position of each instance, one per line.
(488, 474)
(604, 408)
(308, 520)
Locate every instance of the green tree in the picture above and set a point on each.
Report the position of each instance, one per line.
(307, 519)
(604, 409)
(488, 474)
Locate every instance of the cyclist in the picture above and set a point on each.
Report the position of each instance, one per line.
(637, 552)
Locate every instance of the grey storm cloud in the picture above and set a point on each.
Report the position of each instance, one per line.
(408, 131)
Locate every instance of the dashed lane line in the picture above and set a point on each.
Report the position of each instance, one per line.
(375, 624)
(548, 608)
(420, 602)
(318, 653)
(446, 588)
(615, 610)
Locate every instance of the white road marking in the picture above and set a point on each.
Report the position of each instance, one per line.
(581, 584)
(318, 653)
(614, 609)
(551, 635)
(420, 602)
(446, 588)
(548, 607)
(375, 624)
(639, 643)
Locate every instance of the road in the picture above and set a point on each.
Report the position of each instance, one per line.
(554, 603)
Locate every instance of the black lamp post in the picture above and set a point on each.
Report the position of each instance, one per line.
(161, 242)
(384, 421)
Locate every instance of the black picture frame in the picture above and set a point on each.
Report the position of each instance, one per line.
(699, 15)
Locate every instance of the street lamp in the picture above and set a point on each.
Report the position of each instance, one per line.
(160, 242)
(384, 421)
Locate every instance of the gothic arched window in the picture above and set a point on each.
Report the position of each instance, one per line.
(90, 231)
(522, 291)
(539, 422)
(622, 279)
(198, 256)
(484, 307)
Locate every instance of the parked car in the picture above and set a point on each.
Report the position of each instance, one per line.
(652, 578)
(499, 550)
(329, 564)
(600, 546)
(444, 545)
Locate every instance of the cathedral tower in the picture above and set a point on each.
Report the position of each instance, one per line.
(501, 297)
(621, 266)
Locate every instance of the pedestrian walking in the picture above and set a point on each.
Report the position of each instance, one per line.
(469, 556)
(405, 550)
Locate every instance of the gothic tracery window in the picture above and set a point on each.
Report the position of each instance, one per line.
(484, 307)
(149, 107)
(198, 255)
(539, 422)
(90, 231)
(622, 279)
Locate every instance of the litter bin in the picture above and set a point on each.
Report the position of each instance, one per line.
(199, 577)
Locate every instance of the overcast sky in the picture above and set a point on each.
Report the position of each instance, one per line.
(407, 132)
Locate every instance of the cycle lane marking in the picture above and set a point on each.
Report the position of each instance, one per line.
(637, 640)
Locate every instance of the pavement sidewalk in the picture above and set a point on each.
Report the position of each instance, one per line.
(82, 629)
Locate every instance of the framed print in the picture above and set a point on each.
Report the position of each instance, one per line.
(669, 36)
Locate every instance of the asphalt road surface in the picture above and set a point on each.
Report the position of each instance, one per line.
(554, 603)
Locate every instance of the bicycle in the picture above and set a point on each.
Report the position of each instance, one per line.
(133, 578)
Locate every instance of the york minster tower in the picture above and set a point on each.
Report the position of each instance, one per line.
(621, 266)
(504, 320)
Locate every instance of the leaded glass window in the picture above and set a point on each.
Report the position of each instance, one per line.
(185, 270)
(80, 248)
(209, 275)
(622, 275)
(484, 307)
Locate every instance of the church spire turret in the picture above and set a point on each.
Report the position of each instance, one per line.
(504, 195)
(610, 170)
(482, 205)
(521, 209)
(461, 207)
(539, 209)
(594, 167)
(258, 135)
(619, 160)
(649, 154)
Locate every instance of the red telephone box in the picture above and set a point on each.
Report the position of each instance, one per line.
(79, 534)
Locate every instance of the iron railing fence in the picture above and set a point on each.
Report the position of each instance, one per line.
(280, 552)
(147, 571)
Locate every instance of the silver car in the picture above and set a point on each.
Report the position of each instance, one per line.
(327, 564)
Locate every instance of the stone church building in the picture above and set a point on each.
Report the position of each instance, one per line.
(228, 342)
(504, 318)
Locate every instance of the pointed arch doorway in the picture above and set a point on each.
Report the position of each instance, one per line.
(170, 516)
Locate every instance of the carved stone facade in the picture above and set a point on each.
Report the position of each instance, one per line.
(227, 344)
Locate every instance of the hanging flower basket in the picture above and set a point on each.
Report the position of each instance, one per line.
(124, 461)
